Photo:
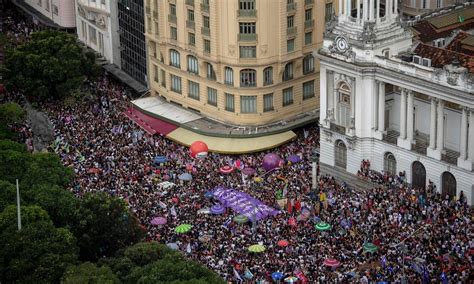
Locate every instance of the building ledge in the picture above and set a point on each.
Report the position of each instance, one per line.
(36, 15)
(125, 78)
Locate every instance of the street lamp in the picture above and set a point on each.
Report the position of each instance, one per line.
(315, 162)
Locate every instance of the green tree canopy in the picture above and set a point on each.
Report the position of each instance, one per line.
(51, 64)
(39, 253)
(12, 145)
(104, 226)
(10, 113)
(89, 273)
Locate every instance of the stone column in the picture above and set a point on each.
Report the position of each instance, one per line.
(410, 116)
(353, 94)
(388, 9)
(358, 10)
(330, 94)
(470, 144)
(440, 131)
(377, 11)
(381, 123)
(463, 141)
(433, 124)
(365, 10)
(340, 7)
(395, 9)
(335, 100)
(371, 10)
(349, 8)
(375, 105)
(403, 114)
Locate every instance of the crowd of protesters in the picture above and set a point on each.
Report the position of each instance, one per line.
(419, 235)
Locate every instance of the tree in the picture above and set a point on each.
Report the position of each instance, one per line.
(11, 113)
(89, 273)
(39, 253)
(12, 145)
(7, 194)
(104, 225)
(50, 65)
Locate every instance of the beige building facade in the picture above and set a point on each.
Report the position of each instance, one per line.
(241, 62)
(419, 7)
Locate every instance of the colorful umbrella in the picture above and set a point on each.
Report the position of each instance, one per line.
(277, 275)
(185, 177)
(226, 169)
(183, 228)
(248, 171)
(160, 160)
(256, 248)
(209, 194)
(173, 246)
(294, 159)
(158, 221)
(217, 209)
(331, 262)
(370, 247)
(241, 219)
(321, 226)
(283, 243)
(291, 279)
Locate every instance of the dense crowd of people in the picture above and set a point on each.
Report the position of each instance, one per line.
(416, 235)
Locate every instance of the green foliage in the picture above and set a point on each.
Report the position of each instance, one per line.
(39, 253)
(7, 194)
(104, 226)
(50, 65)
(89, 273)
(11, 112)
(12, 145)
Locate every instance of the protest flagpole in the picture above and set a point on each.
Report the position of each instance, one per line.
(18, 204)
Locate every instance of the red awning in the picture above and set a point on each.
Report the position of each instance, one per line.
(150, 124)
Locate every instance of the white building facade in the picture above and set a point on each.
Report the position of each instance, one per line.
(97, 27)
(60, 12)
(399, 115)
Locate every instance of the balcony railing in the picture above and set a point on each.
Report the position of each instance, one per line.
(337, 128)
(205, 31)
(247, 37)
(172, 18)
(190, 2)
(190, 24)
(291, 7)
(308, 2)
(308, 24)
(204, 7)
(291, 31)
(247, 13)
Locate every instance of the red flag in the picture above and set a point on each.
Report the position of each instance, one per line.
(290, 206)
(297, 205)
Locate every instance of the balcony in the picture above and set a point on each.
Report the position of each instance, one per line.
(308, 24)
(291, 7)
(337, 128)
(205, 31)
(247, 13)
(190, 2)
(190, 24)
(172, 18)
(291, 32)
(205, 8)
(308, 2)
(247, 37)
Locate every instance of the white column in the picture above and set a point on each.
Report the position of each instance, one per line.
(470, 148)
(377, 11)
(365, 10)
(358, 10)
(388, 9)
(336, 115)
(340, 7)
(433, 124)
(375, 106)
(314, 175)
(349, 8)
(403, 114)
(463, 141)
(395, 10)
(330, 95)
(440, 132)
(410, 116)
(381, 123)
(371, 10)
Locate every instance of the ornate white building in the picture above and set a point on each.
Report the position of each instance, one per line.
(97, 27)
(403, 104)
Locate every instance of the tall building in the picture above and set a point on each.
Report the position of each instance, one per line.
(419, 7)
(58, 14)
(97, 27)
(403, 102)
(132, 39)
(241, 62)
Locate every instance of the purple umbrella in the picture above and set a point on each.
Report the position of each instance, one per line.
(248, 171)
(294, 159)
(158, 221)
(271, 161)
(217, 209)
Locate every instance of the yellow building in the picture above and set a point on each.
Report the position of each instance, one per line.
(242, 62)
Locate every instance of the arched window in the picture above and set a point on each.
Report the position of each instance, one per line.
(308, 64)
(193, 66)
(248, 78)
(174, 58)
(210, 72)
(288, 73)
(340, 154)
(389, 163)
(229, 76)
(344, 105)
(268, 76)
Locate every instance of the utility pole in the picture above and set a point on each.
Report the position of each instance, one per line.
(18, 204)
